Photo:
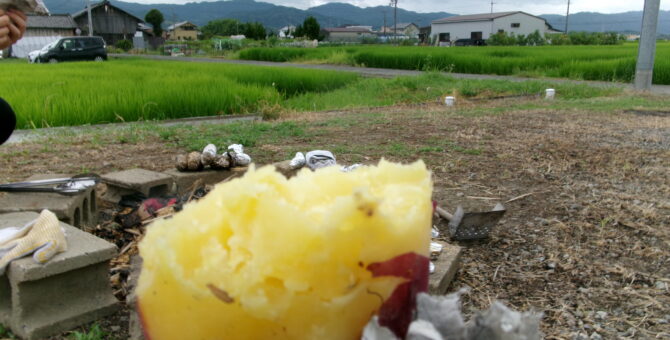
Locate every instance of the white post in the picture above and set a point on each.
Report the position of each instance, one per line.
(567, 16)
(647, 50)
(90, 20)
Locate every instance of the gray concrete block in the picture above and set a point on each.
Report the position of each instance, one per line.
(70, 290)
(5, 301)
(446, 267)
(148, 183)
(185, 180)
(135, 331)
(77, 210)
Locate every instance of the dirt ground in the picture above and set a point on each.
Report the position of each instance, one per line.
(586, 239)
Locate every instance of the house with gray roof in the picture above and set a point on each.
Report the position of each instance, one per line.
(482, 26)
(110, 22)
(347, 34)
(409, 29)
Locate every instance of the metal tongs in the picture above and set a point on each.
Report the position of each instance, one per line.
(63, 186)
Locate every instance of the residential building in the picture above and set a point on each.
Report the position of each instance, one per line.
(345, 34)
(286, 32)
(184, 30)
(407, 29)
(41, 30)
(482, 26)
(109, 22)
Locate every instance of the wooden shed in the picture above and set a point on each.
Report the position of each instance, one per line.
(109, 22)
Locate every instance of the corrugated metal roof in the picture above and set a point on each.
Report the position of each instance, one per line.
(404, 25)
(101, 3)
(347, 29)
(475, 17)
(64, 21)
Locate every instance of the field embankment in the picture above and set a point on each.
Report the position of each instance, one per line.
(606, 63)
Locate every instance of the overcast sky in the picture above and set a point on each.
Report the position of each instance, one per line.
(473, 6)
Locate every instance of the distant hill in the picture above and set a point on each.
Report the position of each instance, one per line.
(598, 22)
(330, 15)
(337, 14)
(202, 12)
(374, 16)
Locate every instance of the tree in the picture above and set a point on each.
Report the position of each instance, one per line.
(155, 18)
(254, 30)
(223, 27)
(299, 32)
(310, 29)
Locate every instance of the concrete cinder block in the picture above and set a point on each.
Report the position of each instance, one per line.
(446, 267)
(135, 331)
(70, 290)
(184, 180)
(149, 183)
(77, 210)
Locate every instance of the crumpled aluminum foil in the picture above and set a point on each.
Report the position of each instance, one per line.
(208, 154)
(351, 168)
(25, 6)
(298, 161)
(236, 152)
(440, 318)
(318, 159)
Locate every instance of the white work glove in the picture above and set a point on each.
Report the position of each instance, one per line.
(43, 238)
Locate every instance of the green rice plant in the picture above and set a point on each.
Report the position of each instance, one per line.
(608, 63)
(132, 90)
(143, 90)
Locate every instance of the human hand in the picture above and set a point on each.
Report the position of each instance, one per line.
(12, 27)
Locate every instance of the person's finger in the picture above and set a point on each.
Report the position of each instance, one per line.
(4, 20)
(19, 13)
(14, 33)
(2, 12)
(19, 21)
(4, 42)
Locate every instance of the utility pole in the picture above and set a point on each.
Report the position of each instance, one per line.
(567, 16)
(492, 3)
(394, 3)
(647, 49)
(384, 28)
(90, 20)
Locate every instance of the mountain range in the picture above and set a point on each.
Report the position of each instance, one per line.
(338, 14)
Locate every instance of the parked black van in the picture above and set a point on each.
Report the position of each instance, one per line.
(75, 48)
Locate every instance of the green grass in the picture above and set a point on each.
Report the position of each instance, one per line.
(142, 90)
(5, 333)
(132, 90)
(94, 333)
(195, 137)
(608, 63)
(431, 87)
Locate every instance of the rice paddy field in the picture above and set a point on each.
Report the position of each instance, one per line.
(45, 95)
(606, 63)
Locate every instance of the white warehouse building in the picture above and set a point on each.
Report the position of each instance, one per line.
(482, 26)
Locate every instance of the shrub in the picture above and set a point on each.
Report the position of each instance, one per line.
(124, 44)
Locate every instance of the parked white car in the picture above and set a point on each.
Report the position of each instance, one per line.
(33, 56)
